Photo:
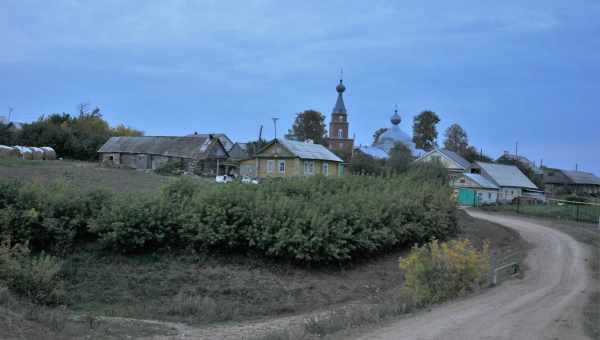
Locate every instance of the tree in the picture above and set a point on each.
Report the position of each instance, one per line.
(400, 158)
(456, 139)
(424, 130)
(378, 133)
(364, 164)
(472, 155)
(309, 124)
(7, 134)
(126, 131)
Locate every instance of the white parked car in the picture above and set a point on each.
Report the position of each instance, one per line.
(223, 179)
(249, 180)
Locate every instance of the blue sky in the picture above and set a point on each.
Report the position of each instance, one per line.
(504, 70)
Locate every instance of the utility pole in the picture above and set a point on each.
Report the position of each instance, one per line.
(275, 119)
(10, 111)
(517, 149)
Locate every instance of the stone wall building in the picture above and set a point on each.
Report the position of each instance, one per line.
(201, 154)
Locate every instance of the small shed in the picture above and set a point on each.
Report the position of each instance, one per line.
(511, 181)
(474, 189)
(49, 153)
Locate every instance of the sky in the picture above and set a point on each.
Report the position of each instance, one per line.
(506, 71)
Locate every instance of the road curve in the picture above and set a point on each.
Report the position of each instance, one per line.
(546, 304)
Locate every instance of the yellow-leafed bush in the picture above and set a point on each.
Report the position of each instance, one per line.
(437, 271)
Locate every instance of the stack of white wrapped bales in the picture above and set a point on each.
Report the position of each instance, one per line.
(24, 152)
(8, 152)
(37, 153)
(49, 153)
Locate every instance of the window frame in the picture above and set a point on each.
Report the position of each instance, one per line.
(325, 169)
(309, 167)
(279, 164)
(270, 166)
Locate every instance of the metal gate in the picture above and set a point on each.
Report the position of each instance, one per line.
(467, 196)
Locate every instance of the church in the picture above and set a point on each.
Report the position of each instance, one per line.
(392, 135)
(338, 140)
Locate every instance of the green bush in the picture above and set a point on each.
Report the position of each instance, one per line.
(437, 272)
(48, 217)
(309, 219)
(37, 278)
(312, 219)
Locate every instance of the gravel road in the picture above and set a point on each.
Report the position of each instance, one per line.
(546, 304)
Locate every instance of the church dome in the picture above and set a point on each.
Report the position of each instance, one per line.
(340, 87)
(394, 135)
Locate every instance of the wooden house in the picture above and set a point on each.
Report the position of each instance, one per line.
(286, 158)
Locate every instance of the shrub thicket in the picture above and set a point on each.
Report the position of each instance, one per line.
(437, 272)
(35, 277)
(311, 219)
(306, 219)
(48, 217)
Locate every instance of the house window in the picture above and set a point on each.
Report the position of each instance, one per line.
(282, 167)
(309, 167)
(489, 195)
(270, 166)
(326, 169)
(340, 133)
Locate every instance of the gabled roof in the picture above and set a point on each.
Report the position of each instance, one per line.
(227, 143)
(306, 150)
(481, 181)
(506, 175)
(580, 177)
(456, 157)
(451, 155)
(196, 147)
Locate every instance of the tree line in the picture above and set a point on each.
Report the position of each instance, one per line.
(76, 136)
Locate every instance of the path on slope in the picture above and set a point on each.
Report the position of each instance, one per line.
(546, 304)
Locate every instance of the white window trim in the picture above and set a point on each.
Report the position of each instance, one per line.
(309, 167)
(325, 169)
(270, 166)
(340, 133)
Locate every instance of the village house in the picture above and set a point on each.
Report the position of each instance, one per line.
(452, 161)
(557, 182)
(286, 158)
(512, 183)
(474, 189)
(201, 154)
(237, 154)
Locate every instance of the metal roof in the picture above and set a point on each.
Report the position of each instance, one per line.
(309, 150)
(185, 147)
(506, 175)
(580, 177)
(227, 143)
(481, 181)
(456, 158)
(373, 151)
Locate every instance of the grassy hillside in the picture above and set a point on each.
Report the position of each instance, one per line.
(85, 175)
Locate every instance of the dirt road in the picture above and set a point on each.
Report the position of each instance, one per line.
(546, 304)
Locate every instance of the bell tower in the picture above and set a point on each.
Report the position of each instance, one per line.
(339, 140)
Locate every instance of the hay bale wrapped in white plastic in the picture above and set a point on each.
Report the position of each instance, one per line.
(38, 153)
(49, 153)
(8, 152)
(24, 152)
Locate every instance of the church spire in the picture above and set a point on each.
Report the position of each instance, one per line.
(340, 88)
